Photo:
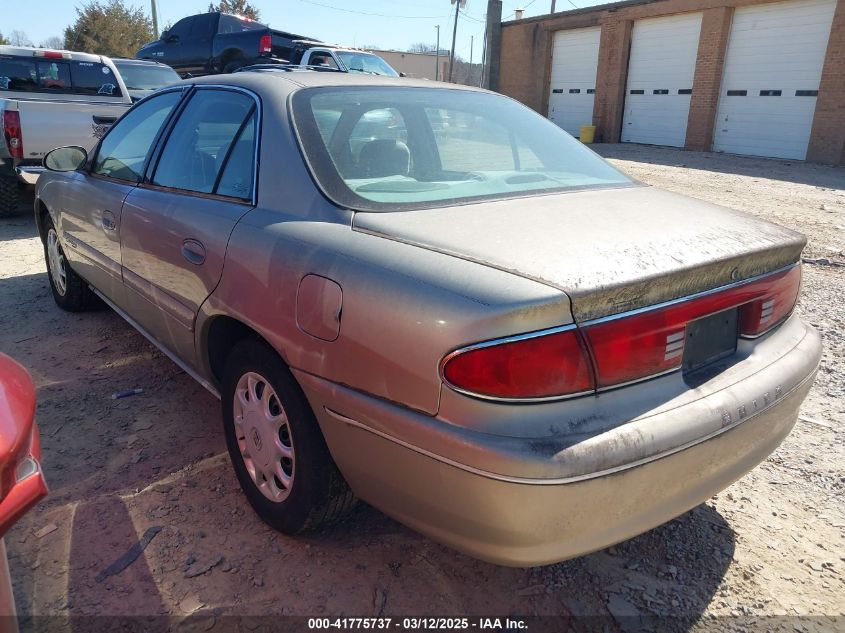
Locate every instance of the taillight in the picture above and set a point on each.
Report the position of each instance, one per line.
(778, 295)
(651, 342)
(624, 348)
(522, 368)
(12, 133)
(266, 44)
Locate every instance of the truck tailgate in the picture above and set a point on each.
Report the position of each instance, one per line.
(47, 124)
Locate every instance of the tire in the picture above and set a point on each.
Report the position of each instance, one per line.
(233, 65)
(70, 291)
(9, 197)
(278, 452)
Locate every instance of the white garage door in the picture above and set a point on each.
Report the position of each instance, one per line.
(660, 74)
(771, 79)
(575, 58)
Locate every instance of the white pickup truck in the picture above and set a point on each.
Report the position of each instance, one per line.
(50, 99)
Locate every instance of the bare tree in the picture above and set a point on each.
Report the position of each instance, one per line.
(19, 38)
(238, 7)
(54, 42)
(422, 47)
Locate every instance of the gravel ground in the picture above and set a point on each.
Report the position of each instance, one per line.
(773, 544)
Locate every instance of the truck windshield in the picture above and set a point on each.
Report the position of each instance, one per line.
(386, 148)
(146, 77)
(358, 62)
(57, 76)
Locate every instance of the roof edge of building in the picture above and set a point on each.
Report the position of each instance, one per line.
(599, 8)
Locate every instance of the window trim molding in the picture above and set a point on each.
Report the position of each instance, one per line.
(161, 143)
(95, 153)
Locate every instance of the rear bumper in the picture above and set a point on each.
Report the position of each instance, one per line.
(29, 173)
(499, 499)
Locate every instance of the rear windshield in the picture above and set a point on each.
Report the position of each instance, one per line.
(57, 76)
(146, 77)
(393, 148)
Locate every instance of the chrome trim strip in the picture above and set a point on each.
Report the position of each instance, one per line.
(684, 299)
(674, 370)
(612, 317)
(182, 365)
(566, 480)
(502, 341)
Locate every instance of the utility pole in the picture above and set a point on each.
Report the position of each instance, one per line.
(492, 44)
(553, 6)
(155, 18)
(483, 57)
(454, 35)
(437, 58)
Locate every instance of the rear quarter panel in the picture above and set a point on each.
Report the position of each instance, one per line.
(404, 308)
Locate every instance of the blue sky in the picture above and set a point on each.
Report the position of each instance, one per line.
(399, 23)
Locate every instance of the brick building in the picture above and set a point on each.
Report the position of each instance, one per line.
(743, 76)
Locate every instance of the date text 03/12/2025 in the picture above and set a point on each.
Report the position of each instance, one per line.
(417, 624)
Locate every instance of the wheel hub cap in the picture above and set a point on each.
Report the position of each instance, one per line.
(56, 262)
(264, 437)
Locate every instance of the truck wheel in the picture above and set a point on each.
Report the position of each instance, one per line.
(275, 444)
(9, 197)
(233, 66)
(70, 292)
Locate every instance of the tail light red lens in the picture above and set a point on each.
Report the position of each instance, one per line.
(266, 44)
(12, 133)
(547, 366)
(777, 297)
(652, 342)
(624, 349)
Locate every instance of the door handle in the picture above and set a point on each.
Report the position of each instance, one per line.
(108, 221)
(193, 251)
(103, 120)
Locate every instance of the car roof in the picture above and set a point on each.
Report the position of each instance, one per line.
(29, 51)
(310, 79)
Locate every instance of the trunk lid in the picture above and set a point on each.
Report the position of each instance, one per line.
(611, 251)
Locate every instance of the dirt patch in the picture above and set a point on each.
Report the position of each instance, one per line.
(773, 543)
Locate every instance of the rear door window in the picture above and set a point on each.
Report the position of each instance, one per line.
(199, 145)
(92, 78)
(203, 26)
(18, 74)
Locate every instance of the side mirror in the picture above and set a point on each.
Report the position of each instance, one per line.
(65, 158)
(164, 35)
(402, 75)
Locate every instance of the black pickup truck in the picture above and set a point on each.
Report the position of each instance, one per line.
(210, 43)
